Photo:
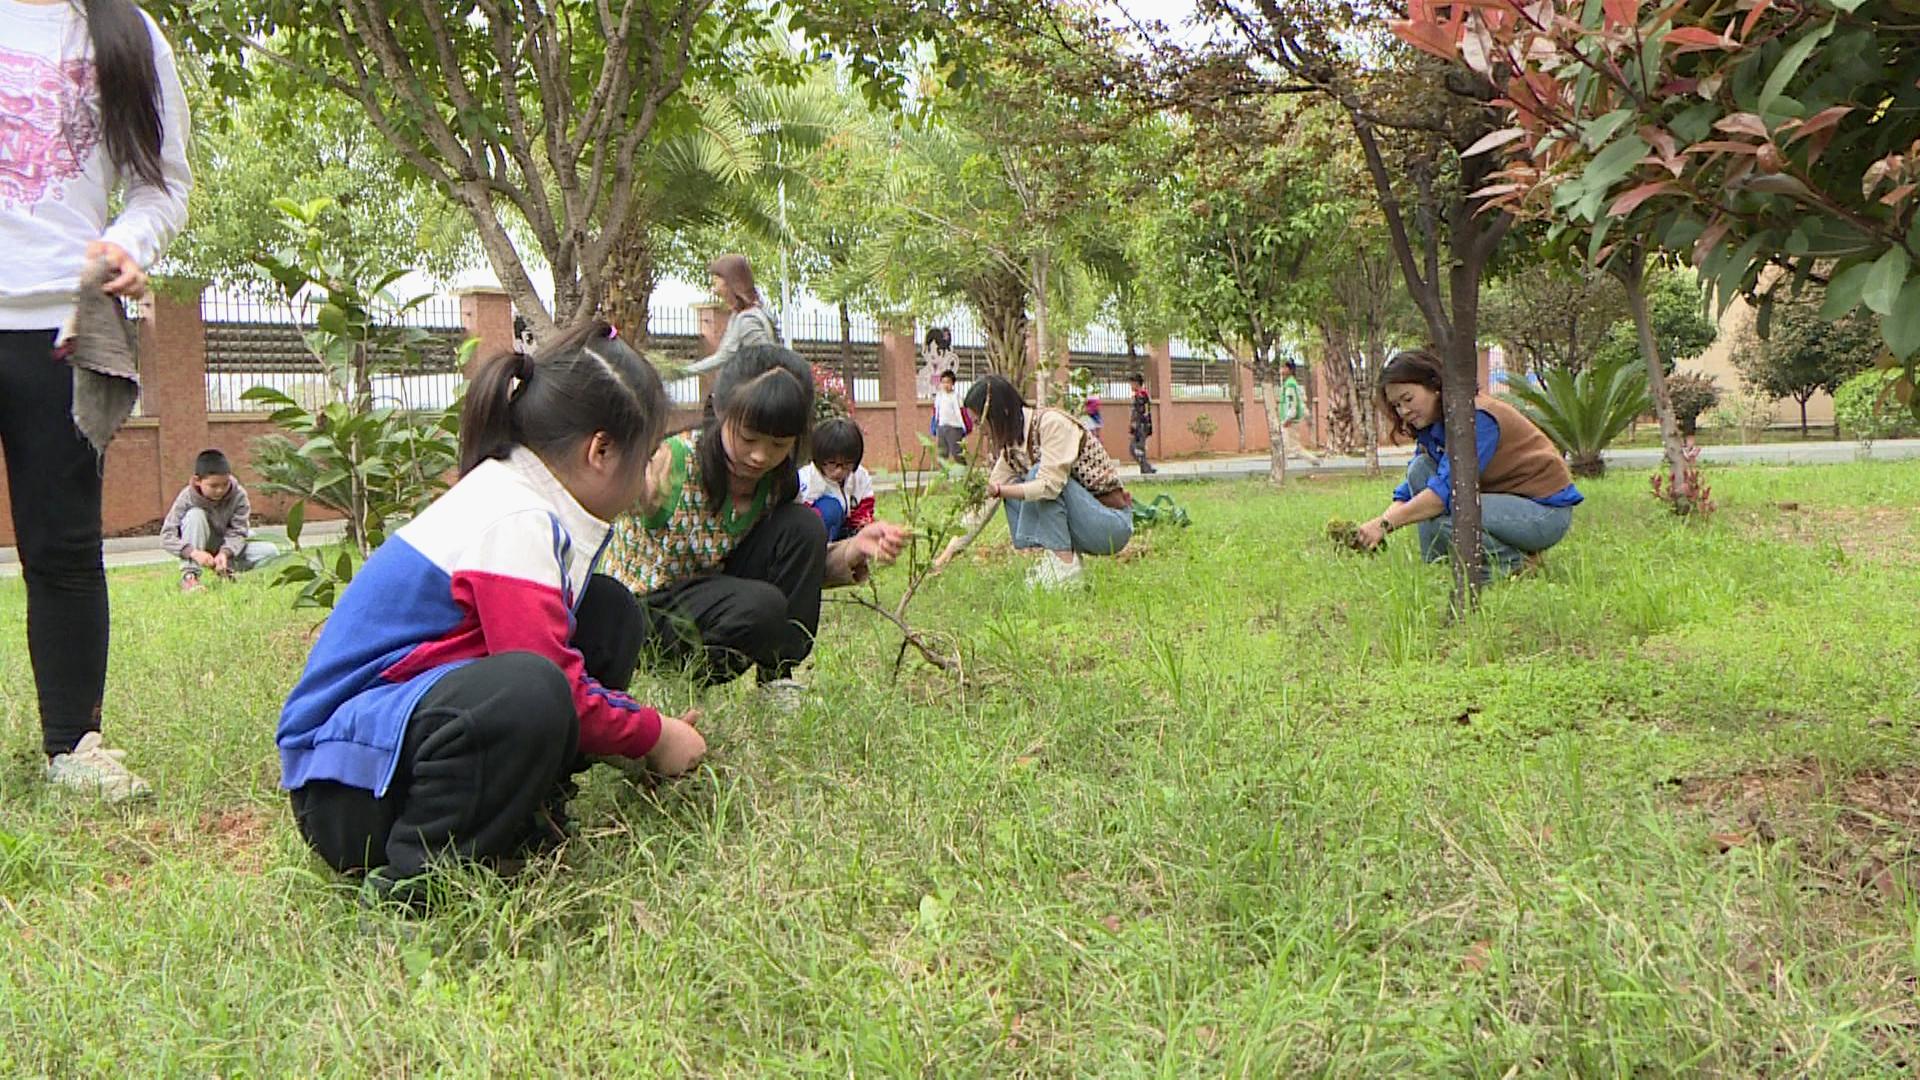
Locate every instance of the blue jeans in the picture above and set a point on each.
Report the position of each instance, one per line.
(1511, 526)
(1073, 521)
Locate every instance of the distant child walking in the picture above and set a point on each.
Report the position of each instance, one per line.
(835, 484)
(1140, 424)
(951, 421)
(476, 653)
(1293, 413)
(209, 526)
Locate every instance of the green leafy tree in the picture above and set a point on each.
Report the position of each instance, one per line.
(1804, 354)
(1866, 408)
(1265, 198)
(530, 115)
(1413, 119)
(375, 464)
(1676, 306)
(260, 146)
(1553, 312)
(1774, 134)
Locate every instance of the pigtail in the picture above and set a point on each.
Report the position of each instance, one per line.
(486, 416)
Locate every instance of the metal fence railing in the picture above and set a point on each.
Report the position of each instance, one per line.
(260, 340)
(1202, 378)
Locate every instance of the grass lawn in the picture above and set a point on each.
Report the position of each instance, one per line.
(1249, 807)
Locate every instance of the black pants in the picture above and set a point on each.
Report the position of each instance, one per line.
(761, 611)
(488, 754)
(1138, 448)
(53, 476)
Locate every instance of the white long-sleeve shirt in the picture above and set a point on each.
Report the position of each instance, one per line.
(55, 174)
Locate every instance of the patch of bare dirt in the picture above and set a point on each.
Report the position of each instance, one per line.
(1860, 832)
(1877, 534)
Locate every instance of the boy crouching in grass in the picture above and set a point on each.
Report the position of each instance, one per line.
(209, 526)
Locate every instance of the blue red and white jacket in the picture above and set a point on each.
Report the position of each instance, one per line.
(495, 565)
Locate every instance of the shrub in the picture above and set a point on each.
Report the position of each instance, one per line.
(1865, 407)
(377, 466)
(1692, 395)
(1204, 429)
(1585, 412)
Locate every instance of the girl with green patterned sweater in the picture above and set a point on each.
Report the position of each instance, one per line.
(727, 565)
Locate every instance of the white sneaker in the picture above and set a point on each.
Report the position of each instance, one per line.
(96, 770)
(1053, 575)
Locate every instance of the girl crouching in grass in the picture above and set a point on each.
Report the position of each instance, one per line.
(1062, 493)
(727, 564)
(476, 654)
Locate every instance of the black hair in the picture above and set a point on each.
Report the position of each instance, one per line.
(212, 462)
(766, 389)
(129, 86)
(1137, 379)
(948, 374)
(1420, 367)
(839, 440)
(997, 402)
(586, 381)
(1292, 366)
(939, 336)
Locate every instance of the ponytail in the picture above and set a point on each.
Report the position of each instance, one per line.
(129, 86)
(486, 416)
(586, 381)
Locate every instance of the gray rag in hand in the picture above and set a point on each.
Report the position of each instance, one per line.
(99, 343)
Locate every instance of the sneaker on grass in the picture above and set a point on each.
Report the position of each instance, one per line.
(92, 768)
(788, 695)
(1053, 575)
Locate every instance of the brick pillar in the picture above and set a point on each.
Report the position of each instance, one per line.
(1159, 373)
(173, 383)
(1485, 376)
(899, 392)
(487, 314)
(714, 317)
(1252, 402)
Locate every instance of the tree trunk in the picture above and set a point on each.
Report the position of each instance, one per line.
(1459, 385)
(1803, 416)
(1632, 274)
(1589, 464)
(1040, 264)
(999, 300)
(846, 350)
(1364, 388)
(1276, 437)
(1238, 398)
(631, 276)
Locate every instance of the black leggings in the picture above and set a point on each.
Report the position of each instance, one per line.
(53, 477)
(488, 754)
(761, 611)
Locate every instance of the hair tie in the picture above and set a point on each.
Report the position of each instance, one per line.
(613, 332)
(523, 366)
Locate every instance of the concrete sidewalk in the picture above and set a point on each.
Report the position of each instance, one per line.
(145, 550)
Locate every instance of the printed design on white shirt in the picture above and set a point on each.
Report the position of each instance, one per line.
(49, 125)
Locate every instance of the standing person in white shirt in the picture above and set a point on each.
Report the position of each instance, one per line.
(950, 422)
(93, 106)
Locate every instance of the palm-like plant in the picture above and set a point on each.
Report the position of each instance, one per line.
(1583, 413)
